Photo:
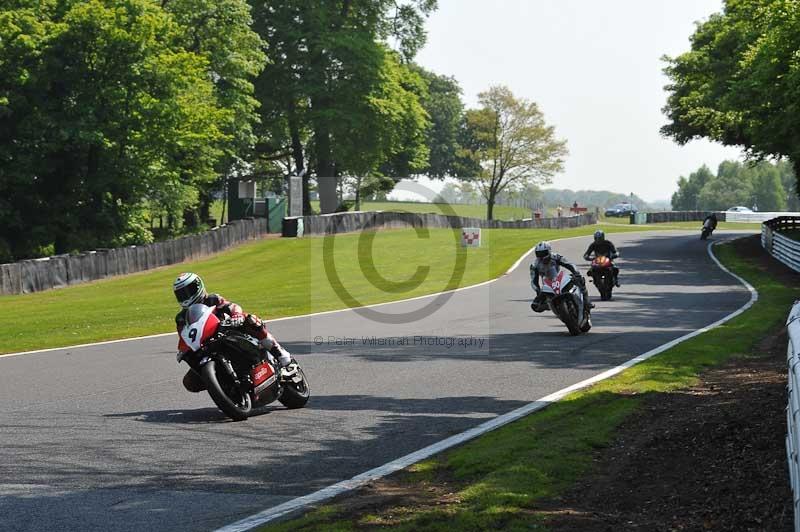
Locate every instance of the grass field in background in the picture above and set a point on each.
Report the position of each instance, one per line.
(494, 481)
(272, 278)
(501, 212)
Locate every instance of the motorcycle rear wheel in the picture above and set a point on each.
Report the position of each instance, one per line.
(236, 411)
(608, 286)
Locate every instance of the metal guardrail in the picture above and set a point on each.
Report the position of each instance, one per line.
(783, 248)
(755, 217)
(793, 409)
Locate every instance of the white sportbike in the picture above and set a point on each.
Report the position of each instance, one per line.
(565, 298)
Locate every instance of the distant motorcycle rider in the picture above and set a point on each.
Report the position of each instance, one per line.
(546, 263)
(189, 289)
(713, 219)
(606, 248)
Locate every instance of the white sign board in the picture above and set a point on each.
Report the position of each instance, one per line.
(471, 237)
(295, 196)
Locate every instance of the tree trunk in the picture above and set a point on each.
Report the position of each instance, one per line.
(299, 160)
(326, 179)
(796, 166)
(490, 199)
(189, 218)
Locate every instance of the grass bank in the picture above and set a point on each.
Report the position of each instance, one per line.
(501, 212)
(495, 481)
(273, 278)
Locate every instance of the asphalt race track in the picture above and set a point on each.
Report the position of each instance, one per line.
(106, 438)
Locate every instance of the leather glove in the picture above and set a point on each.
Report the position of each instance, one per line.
(237, 321)
(252, 321)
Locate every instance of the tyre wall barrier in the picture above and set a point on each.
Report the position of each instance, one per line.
(793, 409)
(63, 270)
(682, 216)
(780, 246)
(347, 222)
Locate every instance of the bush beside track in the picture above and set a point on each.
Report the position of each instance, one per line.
(514, 477)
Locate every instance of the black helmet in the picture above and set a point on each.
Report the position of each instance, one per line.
(599, 235)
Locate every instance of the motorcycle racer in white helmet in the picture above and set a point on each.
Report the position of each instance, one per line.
(189, 289)
(546, 261)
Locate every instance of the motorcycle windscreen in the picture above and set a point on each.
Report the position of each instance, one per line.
(551, 272)
(201, 324)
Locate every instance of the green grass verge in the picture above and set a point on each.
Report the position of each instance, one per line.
(501, 212)
(496, 479)
(273, 278)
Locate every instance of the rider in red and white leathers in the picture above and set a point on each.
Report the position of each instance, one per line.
(189, 289)
(546, 263)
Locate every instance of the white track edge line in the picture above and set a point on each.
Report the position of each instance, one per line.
(276, 512)
(372, 305)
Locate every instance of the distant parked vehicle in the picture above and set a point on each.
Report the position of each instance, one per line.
(621, 209)
(739, 208)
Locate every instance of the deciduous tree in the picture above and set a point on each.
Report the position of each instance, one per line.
(738, 83)
(511, 144)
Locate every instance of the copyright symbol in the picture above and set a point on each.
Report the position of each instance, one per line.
(372, 275)
(318, 340)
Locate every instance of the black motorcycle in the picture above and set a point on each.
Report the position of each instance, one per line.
(241, 379)
(708, 228)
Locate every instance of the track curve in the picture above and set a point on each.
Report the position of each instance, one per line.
(102, 437)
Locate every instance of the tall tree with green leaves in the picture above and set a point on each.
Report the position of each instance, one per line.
(220, 31)
(327, 73)
(104, 109)
(511, 143)
(686, 197)
(738, 83)
(760, 185)
(442, 101)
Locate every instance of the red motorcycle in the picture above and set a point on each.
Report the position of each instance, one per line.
(602, 275)
(240, 378)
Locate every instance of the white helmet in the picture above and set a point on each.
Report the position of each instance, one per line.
(189, 289)
(543, 250)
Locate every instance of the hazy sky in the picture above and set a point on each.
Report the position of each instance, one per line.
(595, 70)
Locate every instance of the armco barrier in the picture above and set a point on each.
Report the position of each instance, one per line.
(62, 270)
(756, 217)
(722, 216)
(793, 409)
(347, 222)
(783, 248)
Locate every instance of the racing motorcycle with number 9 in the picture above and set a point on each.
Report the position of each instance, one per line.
(241, 378)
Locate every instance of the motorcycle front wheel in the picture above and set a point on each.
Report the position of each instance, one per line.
(225, 393)
(296, 394)
(570, 316)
